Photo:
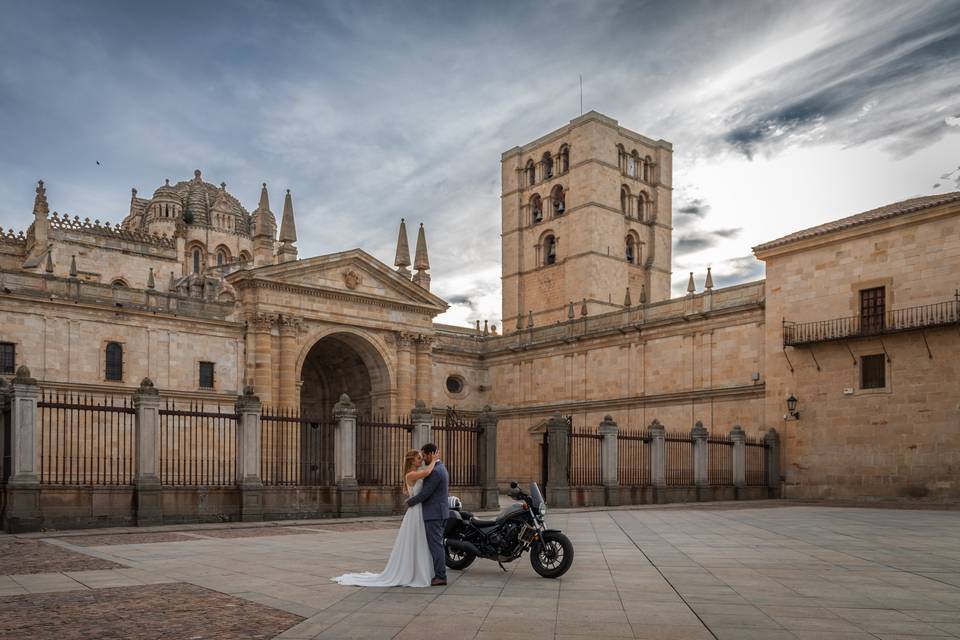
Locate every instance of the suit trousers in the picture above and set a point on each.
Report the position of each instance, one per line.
(435, 542)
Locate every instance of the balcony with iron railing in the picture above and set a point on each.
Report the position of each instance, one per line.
(938, 314)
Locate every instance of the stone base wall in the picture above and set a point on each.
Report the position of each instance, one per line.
(636, 495)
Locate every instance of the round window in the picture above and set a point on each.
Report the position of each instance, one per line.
(454, 384)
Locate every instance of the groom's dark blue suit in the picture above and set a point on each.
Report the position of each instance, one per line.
(436, 510)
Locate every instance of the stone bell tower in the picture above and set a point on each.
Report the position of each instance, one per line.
(586, 214)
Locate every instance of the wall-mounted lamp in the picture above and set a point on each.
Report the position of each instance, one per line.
(792, 412)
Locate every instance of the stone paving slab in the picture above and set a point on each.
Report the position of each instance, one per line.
(21, 556)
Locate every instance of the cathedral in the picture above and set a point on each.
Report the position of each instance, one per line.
(856, 321)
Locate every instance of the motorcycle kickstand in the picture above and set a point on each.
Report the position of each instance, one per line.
(502, 567)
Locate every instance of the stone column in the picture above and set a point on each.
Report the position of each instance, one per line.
(263, 357)
(345, 456)
(558, 462)
(487, 458)
(146, 480)
(739, 439)
(658, 454)
(422, 420)
(248, 456)
(23, 488)
(424, 386)
(609, 458)
(699, 434)
(405, 372)
(289, 327)
(772, 441)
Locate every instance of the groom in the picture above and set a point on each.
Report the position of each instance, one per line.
(433, 495)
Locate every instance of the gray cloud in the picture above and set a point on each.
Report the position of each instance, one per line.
(693, 241)
(696, 208)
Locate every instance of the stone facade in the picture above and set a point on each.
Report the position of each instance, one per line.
(191, 277)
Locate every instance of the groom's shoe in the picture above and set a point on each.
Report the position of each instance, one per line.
(438, 582)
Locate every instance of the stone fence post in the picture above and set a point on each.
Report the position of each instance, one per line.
(345, 456)
(609, 458)
(23, 488)
(658, 454)
(739, 457)
(487, 458)
(699, 434)
(558, 462)
(772, 441)
(422, 420)
(248, 456)
(146, 405)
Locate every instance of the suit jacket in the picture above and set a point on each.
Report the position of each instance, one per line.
(433, 495)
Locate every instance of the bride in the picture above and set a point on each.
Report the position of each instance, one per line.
(410, 564)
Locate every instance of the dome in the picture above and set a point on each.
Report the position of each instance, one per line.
(166, 192)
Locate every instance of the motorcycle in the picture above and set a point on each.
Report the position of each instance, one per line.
(517, 529)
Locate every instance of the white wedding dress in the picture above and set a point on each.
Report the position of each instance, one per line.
(410, 564)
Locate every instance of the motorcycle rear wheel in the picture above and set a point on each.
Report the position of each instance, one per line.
(458, 560)
(552, 555)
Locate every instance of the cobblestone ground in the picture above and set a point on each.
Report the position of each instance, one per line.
(770, 571)
(35, 556)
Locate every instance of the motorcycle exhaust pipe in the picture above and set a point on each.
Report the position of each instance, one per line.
(464, 547)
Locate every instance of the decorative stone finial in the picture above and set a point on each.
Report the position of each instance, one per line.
(626, 298)
(709, 283)
(643, 294)
(656, 425)
(570, 311)
(133, 192)
(40, 206)
(147, 388)
(530, 319)
(150, 283)
(402, 261)
(73, 266)
(22, 376)
(486, 328)
(49, 266)
(248, 390)
(172, 285)
(223, 186)
(699, 431)
(691, 287)
(583, 308)
(196, 175)
(288, 230)
(421, 262)
(167, 182)
(519, 321)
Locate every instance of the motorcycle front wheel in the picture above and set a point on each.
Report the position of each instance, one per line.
(458, 560)
(551, 555)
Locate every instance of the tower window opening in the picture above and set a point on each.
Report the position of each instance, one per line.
(536, 209)
(549, 250)
(196, 260)
(547, 165)
(631, 251)
(113, 369)
(558, 197)
(531, 172)
(564, 159)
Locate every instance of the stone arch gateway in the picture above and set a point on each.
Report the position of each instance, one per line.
(344, 362)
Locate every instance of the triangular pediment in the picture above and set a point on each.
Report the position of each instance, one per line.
(353, 272)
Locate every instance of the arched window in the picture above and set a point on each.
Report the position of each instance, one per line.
(564, 159)
(531, 172)
(549, 250)
(641, 207)
(625, 201)
(621, 158)
(631, 250)
(220, 259)
(558, 198)
(244, 256)
(547, 165)
(114, 362)
(536, 209)
(119, 282)
(223, 255)
(196, 260)
(647, 168)
(632, 161)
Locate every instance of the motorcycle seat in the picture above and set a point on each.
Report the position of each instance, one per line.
(483, 523)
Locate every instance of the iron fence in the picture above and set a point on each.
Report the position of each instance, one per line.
(381, 446)
(720, 460)
(633, 457)
(85, 439)
(893, 321)
(197, 445)
(585, 452)
(679, 459)
(296, 449)
(459, 442)
(755, 459)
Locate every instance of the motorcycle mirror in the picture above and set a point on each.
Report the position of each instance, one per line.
(513, 484)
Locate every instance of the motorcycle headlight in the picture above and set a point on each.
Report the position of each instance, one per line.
(543, 509)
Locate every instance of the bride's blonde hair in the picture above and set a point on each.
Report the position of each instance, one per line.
(410, 461)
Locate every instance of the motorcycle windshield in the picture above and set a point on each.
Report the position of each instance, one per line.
(535, 496)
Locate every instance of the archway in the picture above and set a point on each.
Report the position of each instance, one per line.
(344, 363)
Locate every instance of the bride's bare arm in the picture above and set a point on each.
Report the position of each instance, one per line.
(413, 476)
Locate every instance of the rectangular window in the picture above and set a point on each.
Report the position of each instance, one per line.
(872, 309)
(873, 371)
(206, 375)
(8, 352)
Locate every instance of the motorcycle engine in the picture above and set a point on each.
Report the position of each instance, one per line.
(508, 541)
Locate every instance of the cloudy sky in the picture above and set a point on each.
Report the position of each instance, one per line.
(782, 115)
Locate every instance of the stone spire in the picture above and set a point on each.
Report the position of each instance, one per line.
(626, 298)
(643, 294)
(40, 206)
(73, 266)
(49, 266)
(570, 311)
(691, 287)
(264, 204)
(402, 261)
(583, 307)
(150, 281)
(41, 224)
(288, 232)
(421, 262)
(172, 285)
(709, 283)
(264, 230)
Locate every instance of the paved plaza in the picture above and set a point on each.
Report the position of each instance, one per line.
(766, 571)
